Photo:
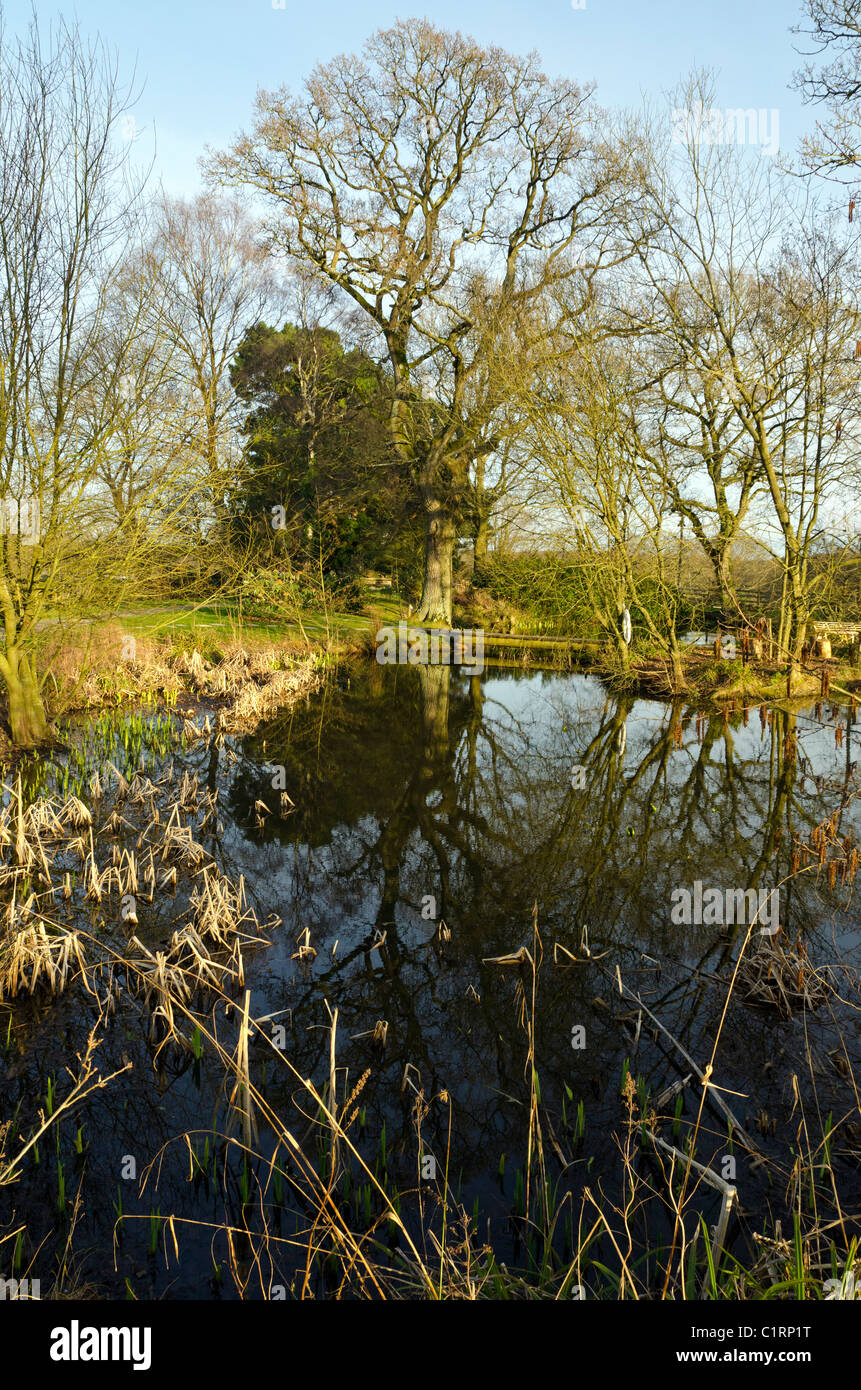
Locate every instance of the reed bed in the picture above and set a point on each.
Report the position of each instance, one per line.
(350, 1232)
(781, 979)
(302, 1202)
(54, 845)
(257, 682)
(259, 701)
(308, 1209)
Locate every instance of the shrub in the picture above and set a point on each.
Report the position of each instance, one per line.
(281, 593)
(266, 593)
(347, 596)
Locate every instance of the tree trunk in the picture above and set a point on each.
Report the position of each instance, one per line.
(28, 722)
(435, 603)
(479, 544)
(620, 648)
(482, 518)
(679, 682)
(435, 683)
(799, 616)
(728, 607)
(800, 633)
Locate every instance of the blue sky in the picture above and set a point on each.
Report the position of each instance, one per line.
(201, 63)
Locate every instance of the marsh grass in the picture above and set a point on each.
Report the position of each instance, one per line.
(303, 1195)
(355, 1235)
(315, 1209)
(351, 1232)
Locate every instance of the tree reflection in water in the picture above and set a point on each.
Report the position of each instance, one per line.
(425, 797)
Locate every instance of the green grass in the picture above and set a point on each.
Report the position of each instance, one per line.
(220, 622)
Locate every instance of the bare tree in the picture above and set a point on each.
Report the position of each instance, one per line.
(145, 461)
(593, 424)
(65, 207)
(833, 27)
(216, 281)
(441, 187)
(747, 311)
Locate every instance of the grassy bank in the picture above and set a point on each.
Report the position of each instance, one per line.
(141, 651)
(144, 652)
(215, 623)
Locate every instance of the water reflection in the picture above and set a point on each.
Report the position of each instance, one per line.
(418, 786)
(424, 798)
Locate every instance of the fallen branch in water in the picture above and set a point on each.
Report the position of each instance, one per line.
(728, 1191)
(712, 1091)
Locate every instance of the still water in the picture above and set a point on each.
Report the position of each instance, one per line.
(432, 813)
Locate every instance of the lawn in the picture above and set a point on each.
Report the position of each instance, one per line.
(221, 621)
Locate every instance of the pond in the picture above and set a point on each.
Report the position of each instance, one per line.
(433, 824)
